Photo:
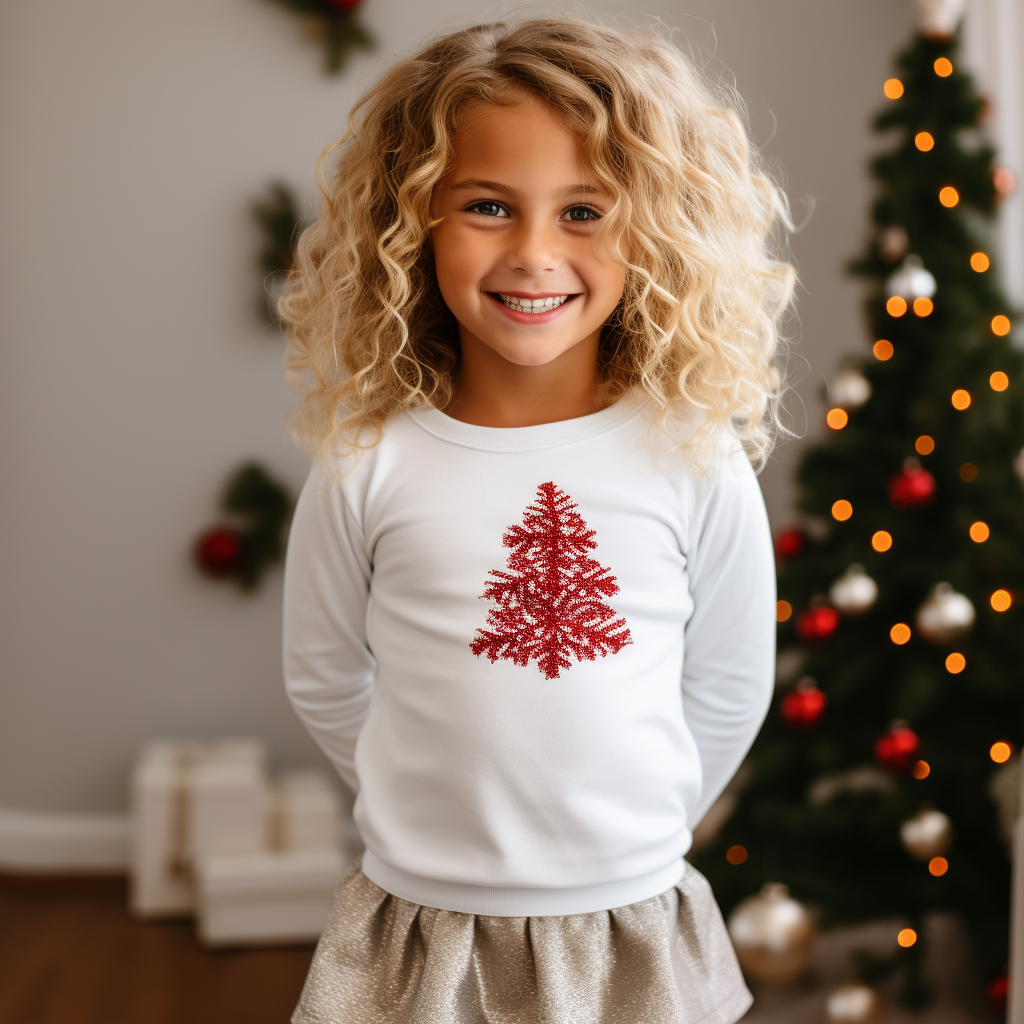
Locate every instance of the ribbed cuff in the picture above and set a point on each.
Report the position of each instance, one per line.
(518, 901)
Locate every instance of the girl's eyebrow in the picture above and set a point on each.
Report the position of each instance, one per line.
(494, 186)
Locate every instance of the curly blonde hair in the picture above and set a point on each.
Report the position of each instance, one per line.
(706, 288)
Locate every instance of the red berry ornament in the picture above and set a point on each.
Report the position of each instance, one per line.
(789, 544)
(816, 625)
(219, 551)
(911, 488)
(897, 749)
(997, 990)
(803, 706)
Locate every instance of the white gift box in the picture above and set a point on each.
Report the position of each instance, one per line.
(169, 826)
(284, 896)
(306, 812)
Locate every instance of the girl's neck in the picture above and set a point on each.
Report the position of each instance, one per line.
(491, 391)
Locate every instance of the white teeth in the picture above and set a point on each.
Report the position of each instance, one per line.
(532, 305)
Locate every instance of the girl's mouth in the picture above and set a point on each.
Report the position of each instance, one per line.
(523, 311)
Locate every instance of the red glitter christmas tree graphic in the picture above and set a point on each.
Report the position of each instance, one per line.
(549, 604)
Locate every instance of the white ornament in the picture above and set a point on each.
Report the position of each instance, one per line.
(911, 281)
(850, 390)
(854, 593)
(893, 243)
(945, 615)
(853, 1004)
(926, 835)
(938, 18)
(772, 934)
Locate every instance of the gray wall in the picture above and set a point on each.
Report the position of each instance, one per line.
(135, 373)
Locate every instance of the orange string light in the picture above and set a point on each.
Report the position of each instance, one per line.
(896, 305)
(1000, 600)
(842, 510)
(922, 770)
(893, 88)
(1000, 325)
(1000, 751)
(783, 611)
(900, 633)
(979, 262)
(999, 381)
(882, 350)
(924, 141)
(924, 445)
(979, 532)
(837, 418)
(881, 540)
(961, 399)
(907, 937)
(943, 67)
(949, 196)
(923, 306)
(938, 866)
(955, 663)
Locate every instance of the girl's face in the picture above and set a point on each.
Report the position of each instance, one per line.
(519, 209)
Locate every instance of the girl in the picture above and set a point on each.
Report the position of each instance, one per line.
(529, 595)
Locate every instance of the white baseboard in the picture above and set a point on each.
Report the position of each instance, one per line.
(45, 842)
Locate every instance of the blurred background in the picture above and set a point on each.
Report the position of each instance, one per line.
(139, 368)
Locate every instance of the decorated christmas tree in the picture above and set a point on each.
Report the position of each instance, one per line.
(881, 784)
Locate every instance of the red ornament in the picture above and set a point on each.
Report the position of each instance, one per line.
(897, 749)
(911, 488)
(789, 544)
(816, 625)
(549, 606)
(803, 706)
(218, 552)
(998, 990)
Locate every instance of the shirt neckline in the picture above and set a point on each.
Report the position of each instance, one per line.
(524, 439)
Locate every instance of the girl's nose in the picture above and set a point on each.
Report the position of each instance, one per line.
(533, 248)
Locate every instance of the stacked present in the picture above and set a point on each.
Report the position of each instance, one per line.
(254, 859)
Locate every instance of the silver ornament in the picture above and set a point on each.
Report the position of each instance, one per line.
(927, 834)
(945, 615)
(911, 281)
(772, 934)
(853, 1003)
(1018, 465)
(850, 390)
(938, 18)
(853, 593)
(893, 244)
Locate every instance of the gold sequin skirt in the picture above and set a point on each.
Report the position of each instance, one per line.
(385, 960)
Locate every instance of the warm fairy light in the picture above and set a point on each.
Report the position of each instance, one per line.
(907, 937)
(960, 399)
(1000, 600)
(924, 141)
(881, 540)
(882, 350)
(968, 472)
(896, 306)
(943, 67)
(893, 88)
(922, 770)
(979, 532)
(979, 262)
(938, 866)
(842, 510)
(1000, 751)
(1000, 325)
(736, 854)
(783, 610)
(923, 306)
(837, 418)
(949, 196)
(900, 633)
(955, 663)
(924, 445)
(999, 381)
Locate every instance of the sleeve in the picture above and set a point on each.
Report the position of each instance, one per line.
(328, 666)
(729, 640)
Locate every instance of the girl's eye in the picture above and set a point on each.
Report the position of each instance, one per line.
(486, 202)
(585, 209)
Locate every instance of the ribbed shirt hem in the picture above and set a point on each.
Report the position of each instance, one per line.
(518, 901)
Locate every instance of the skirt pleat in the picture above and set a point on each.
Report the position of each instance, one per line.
(385, 960)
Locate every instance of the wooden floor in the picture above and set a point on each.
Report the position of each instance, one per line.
(71, 954)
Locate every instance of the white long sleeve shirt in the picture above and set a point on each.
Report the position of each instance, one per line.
(536, 654)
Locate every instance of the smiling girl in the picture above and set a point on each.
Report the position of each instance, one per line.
(529, 592)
